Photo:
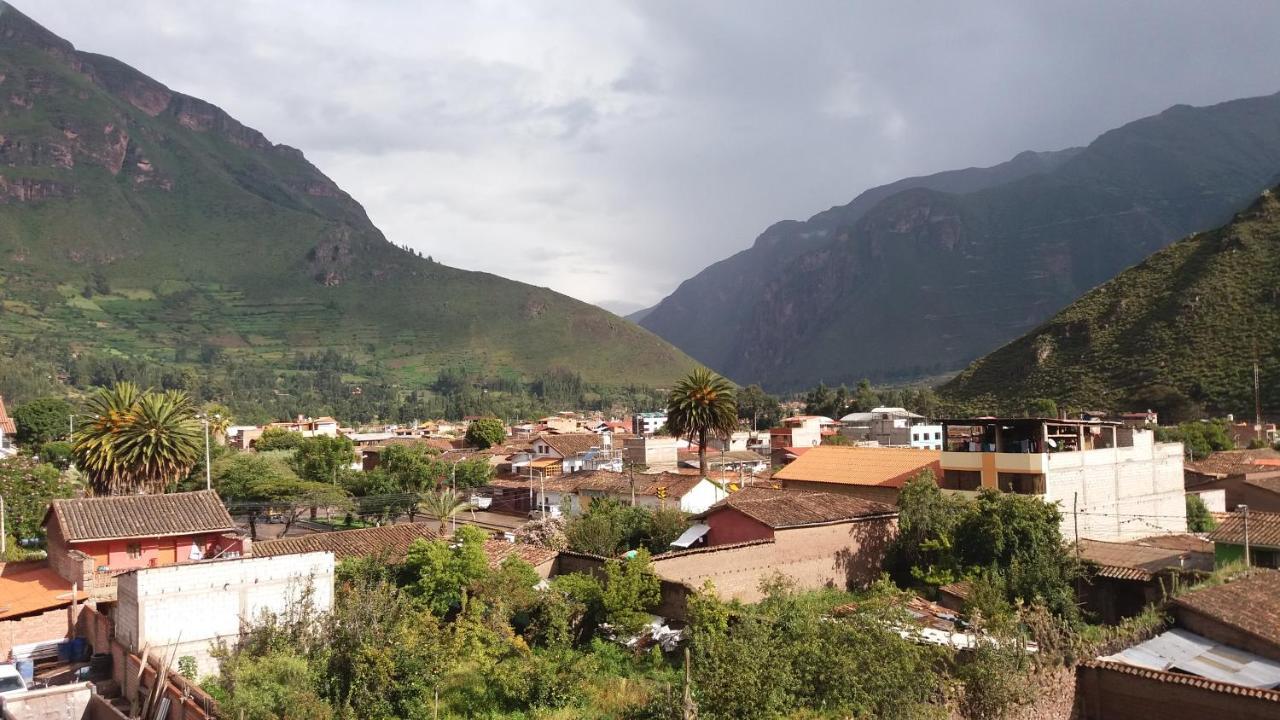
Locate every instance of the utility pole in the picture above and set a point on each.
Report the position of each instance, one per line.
(1075, 520)
(1248, 562)
(208, 475)
(4, 537)
(1257, 400)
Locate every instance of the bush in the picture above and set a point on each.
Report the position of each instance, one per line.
(274, 438)
(1198, 517)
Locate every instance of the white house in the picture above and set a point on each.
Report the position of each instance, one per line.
(572, 494)
(926, 437)
(573, 452)
(7, 430)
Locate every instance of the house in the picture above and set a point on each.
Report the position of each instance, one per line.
(1139, 419)
(8, 430)
(801, 431)
(925, 437)
(647, 423)
(689, 493)
(1247, 477)
(727, 463)
(92, 540)
(1109, 481)
(34, 601)
(1244, 434)
(1222, 659)
(1123, 578)
(733, 442)
(1263, 537)
(866, 472)
(815, 538)
(572, 452)
(890, 426)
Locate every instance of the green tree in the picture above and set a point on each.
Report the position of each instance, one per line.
(865, 397)
(923, 551)
(471, 473)
(631, 590)
(441, 572)
(262, 482)
(323, 458)
(137, 441)
(42, 420)
(1199, 439)
(1198, 517)
(278, 686)
(56, 453)
(27, 487)
(1042, 408)
(699, 405)
(762, 409)
(485, 433)
(277, 438)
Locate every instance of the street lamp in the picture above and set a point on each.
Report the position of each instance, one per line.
(208, 476)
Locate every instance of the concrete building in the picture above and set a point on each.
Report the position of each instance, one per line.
(925, 437)
(574, 452)
(866, 472)
(656, 452)
(816, 539)
(199, 605)
(889, 426)
(647, 423)
(1110, 481)
(736, 441)
(801, 431)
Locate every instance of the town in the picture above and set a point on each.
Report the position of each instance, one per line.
(137, 582)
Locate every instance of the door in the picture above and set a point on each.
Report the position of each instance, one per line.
(168, 551)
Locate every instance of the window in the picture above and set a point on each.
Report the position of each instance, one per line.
(1022, 483)
(134, 549)
(1264, 558)
(961, 480)
(937, 436)
(915, 437)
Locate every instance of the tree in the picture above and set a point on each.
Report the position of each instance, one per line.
(440, 572)
(444, 505)
(865, 398)
(253, 479)
(485, 433)
(56, 453)
(699, 405)
(413, 469)
(471, 473)
(631, 590)
(278, 686)
(323, 458)
(27, 487)
(923, 551)
(137, 441)
(762, 409)
(1198, 517)
(277, 438)
(1042, 408)
(42, 420)
(1199, 438)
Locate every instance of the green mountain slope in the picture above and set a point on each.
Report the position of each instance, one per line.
(929, 278)
(140, 220)
(1185, 324)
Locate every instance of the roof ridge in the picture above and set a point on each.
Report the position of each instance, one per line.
(1178, 678)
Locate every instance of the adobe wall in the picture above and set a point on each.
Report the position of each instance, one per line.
(1109, 694)
(879, 493)
(730, 526)
(839, 555)
(199, 604)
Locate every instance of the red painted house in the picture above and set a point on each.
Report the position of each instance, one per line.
(92, 540)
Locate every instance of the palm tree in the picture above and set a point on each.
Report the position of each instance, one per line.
(138, 441)
(699, 405)
(444, 505)
(219, 417)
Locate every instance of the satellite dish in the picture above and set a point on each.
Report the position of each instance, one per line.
(1052, 443)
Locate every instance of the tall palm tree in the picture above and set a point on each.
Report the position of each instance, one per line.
(699, 405)
(444, 505)
(138, 441)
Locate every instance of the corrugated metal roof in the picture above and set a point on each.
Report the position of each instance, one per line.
(1182, 651)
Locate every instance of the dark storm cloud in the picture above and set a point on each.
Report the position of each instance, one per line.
(634, 143)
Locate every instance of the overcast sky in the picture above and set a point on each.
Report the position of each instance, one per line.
(611, 150)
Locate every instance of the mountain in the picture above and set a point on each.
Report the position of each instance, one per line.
(146, 222)
(920, 277)
(1184, 326)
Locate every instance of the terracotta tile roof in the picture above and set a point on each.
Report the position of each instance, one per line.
(1180, 679)
(570, 444)
(1179, 541)
(1131, 561)
(1233, 462)
(961, 589)
(619, 483)
(499, 550)
(1270, 484)
(138, 516)
(389, 541)
(795, 508)
(859, 466)
(710, 549)
(7, 425)
(31, 587)
(1250, 604)
(1264, 529)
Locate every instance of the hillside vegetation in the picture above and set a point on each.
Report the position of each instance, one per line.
(148, 224)
(1184, 326)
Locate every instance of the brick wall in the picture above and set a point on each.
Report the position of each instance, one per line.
(1110, 692)
(48, 625)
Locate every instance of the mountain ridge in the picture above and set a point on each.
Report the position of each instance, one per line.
(924, 281)
(137, 219)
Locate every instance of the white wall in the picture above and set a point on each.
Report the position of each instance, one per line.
(1121, 493)
(929, 437)
(702, 496)
(1214, 500)
(198, 604)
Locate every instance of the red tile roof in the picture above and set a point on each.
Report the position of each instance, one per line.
(31, 587)
(1250, 604)
(1180, 679)
(140, 516)
(570, 444)
(498, 550)
(1226, 463)
(797, 508)
(7, 425)
(1132, 561)
(1264, 529)
(389, 541)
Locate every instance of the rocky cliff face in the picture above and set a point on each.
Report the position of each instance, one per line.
(920, 277)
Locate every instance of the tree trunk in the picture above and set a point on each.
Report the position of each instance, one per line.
(253, 524)
(702, 451)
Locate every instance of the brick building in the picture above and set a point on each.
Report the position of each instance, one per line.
(817, 539)
(92, 540)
